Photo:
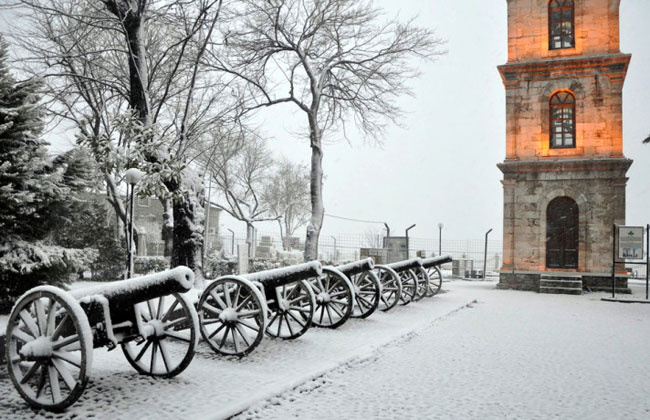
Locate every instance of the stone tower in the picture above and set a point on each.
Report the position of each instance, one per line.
(564, 174)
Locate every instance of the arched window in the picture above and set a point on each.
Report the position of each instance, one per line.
(563, 120)
(561, 24)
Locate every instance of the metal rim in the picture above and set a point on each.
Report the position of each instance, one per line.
(422, 283)
(409, 286)
(171, 326)
(334, 299)
(49, 341)
(391, 288)
(293, 310)
(435, 281)
(232, 315)
(367, 292)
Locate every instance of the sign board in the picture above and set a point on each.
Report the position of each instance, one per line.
(630, 242)
(396, 246)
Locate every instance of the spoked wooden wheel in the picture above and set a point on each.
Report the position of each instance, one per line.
(367, 293)
(435, 281)
(170, 325)
(334, 298)
(422, 283)
(391, 287)
(409, 286)
(49, 348)
(291, 311)
(232, 314)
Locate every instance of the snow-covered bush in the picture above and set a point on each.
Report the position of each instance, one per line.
(146, 265)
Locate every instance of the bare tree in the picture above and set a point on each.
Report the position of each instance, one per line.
(373, 238)
(138, 62)
(240, 171)
(287, 196)
(336, 60)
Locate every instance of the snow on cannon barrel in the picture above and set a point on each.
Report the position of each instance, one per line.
(432, 268)
(366, 286)
(411, 284)
(51, 333)
(236, 311)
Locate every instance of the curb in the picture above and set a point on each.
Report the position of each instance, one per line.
(363, 354)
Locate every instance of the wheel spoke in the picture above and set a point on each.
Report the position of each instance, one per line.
(226, 294)
(144, 349)
(22, 335)
(299, 309)
(65, 342)
(225, 336)
(161, 304)
(59, 327)
(164, 355)
(69, 381)
(154, 357)
(67, 357)
(234, 340)
(30, 372)
(239, 321)
(170, 310)
(151, 309)
(216, 331)
(248, 314)
(54, 384)
(244, 302)
(236, 300)
(41, 383)
(295, 318)
(322, 313)
(178, 336)
(211, 308)
(216, 297)
(243, 335)
(40, 316)
(29, 322)
(336, 310)
(329, 314)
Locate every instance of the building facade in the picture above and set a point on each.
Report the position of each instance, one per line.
(564, 174)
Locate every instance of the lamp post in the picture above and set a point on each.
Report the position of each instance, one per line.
(232, 241)
(407, 239)
(485, 253)
(132, 177)
(440, 226)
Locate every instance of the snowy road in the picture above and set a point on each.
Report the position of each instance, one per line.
(217, 387)
(513, 355)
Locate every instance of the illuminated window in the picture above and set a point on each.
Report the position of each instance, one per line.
(561, 24)
(563, 120)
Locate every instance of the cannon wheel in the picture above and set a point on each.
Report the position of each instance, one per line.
(169, 349)
(422, 283)
(409, 286)
(49, 348)
(232, 315)
(367, 293)
(391, 287)
(295, 305)
(435, 281)
(334, 298)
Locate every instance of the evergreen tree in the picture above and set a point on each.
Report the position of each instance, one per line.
(33, 193)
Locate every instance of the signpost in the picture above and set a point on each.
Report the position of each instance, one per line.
(629, 240)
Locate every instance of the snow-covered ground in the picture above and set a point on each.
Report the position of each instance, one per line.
(511, 355)
(217, 387)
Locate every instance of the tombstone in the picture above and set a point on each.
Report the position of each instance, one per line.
(242, 258)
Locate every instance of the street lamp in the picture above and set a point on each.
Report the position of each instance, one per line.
(407, 239)
(132, 177)
(440, 226)
(485, 253)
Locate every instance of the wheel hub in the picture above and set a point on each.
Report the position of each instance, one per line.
(283, 304)
(228, 315)
(323, 297)
(157, 326)
(39, 348)
(357, 289)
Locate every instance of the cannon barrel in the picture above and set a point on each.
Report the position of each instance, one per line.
(271, 279)
(356, 267)
(140, 289)
(435, 261)
(405, 265)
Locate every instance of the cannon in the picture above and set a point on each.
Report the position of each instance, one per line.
(51, 333)
(407, 273)
(432, 268)
(367, 289)
(391, 287)
(236, 311)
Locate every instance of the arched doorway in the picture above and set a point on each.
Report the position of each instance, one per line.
(562, 233)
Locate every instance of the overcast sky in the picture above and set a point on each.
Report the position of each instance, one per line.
(441, 166)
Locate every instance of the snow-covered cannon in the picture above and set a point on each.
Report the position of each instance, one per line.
(51, 333)
(334, 298)
(410, 282)
(432, 268)
(367, 289)
(236, 311)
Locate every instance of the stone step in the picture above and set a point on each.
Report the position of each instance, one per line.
(574, 284)
(561, 277)
(561, 290)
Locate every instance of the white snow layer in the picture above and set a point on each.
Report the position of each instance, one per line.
(366, 264)
(276, 273)
(181, 274)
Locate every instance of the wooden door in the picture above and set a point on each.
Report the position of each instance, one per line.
(562, 235)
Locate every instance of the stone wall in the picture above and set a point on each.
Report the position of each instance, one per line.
(596, 29)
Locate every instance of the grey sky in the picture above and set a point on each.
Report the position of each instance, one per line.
(441, 167)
